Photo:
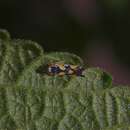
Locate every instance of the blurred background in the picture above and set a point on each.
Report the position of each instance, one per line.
(97, 31)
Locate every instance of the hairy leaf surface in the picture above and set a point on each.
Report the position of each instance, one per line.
(33, 100)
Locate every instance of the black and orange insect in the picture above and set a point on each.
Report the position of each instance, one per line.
(65, 69)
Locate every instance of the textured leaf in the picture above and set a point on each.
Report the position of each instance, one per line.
(33, 100)
(63, 57)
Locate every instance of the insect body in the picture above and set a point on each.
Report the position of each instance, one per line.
(65, 69)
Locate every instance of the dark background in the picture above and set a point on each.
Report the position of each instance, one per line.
(98, 31)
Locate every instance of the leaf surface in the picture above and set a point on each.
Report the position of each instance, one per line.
(33, 100)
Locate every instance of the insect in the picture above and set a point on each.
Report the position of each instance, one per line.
(65, 69)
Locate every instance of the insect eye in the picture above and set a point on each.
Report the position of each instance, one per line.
(54, 69)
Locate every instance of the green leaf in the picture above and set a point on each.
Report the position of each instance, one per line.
(17, 58)
(63, 57)
(30, 100)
